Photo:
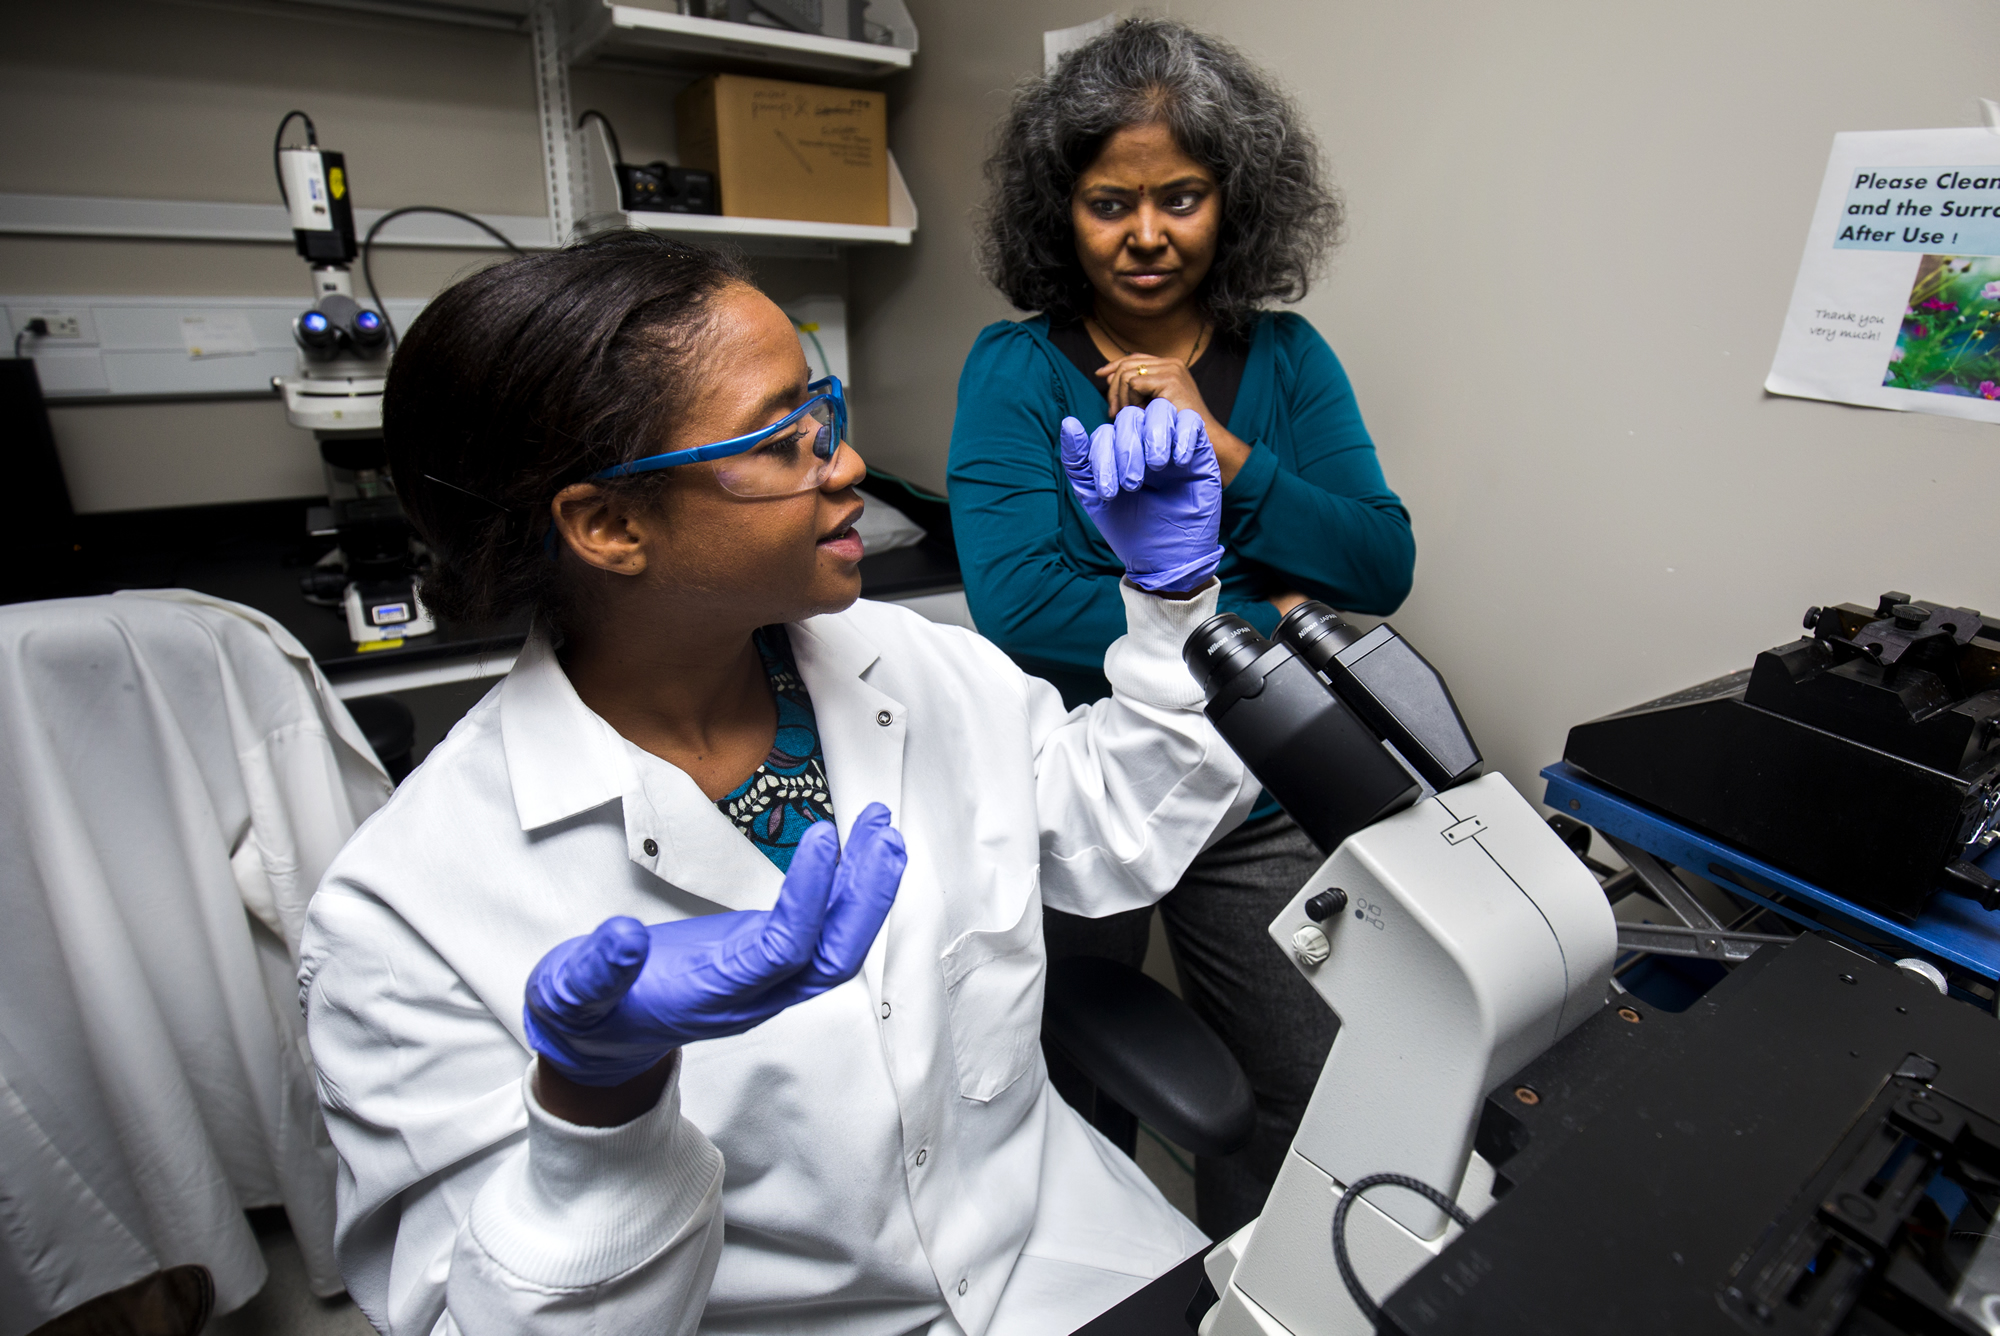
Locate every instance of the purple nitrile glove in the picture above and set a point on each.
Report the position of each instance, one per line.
(606, 1007)
(1149, 481)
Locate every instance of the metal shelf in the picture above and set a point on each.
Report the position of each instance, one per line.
(598, 196)
(628, 33)
(712, 225)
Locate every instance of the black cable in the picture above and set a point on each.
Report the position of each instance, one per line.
(38, 327)
(368, 243)
(617, 153)
(278, 142)
(493, 505)
(1369, 1308)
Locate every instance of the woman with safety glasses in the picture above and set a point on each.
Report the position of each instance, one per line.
(632, 1010)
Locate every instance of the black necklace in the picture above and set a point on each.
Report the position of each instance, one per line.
(1200, 340)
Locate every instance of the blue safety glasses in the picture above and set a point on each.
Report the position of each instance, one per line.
(792, 455)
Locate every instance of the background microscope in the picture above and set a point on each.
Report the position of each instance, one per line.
(344, 350)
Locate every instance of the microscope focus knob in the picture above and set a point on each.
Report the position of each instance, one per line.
(1311, 945)
(1326, 904)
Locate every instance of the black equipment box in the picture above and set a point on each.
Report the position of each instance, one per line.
(1864, 758)
(657, 188)
(1813, 1147)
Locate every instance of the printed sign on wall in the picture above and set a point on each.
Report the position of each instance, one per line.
(1897, 303)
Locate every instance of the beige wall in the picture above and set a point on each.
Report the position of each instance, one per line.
(915, 311)
(1574, 229)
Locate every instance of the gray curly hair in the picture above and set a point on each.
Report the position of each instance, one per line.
(1279, 216)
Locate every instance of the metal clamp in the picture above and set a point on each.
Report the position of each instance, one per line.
(1668, 940)
(1700, 933)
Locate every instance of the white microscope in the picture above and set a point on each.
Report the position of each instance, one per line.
(337, 395)
(1452, 932)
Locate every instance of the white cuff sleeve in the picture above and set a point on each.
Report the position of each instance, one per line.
(587, 1205)
(1145, 663)
(1131, 788)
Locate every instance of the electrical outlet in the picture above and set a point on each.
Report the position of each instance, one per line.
(61, 324)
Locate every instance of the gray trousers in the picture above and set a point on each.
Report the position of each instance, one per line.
(1239, 981)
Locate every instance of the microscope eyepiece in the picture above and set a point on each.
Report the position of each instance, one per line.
(340, 325)
(316, 333)
(1305, 746)
(1394, 689)
(366, 329)
(1316, 633)
(1220, 648)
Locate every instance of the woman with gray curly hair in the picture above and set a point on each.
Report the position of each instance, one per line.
(1147, 198)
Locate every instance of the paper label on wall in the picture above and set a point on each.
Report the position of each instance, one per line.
(218, 334)
(1059, 42)
(821, 323)
(1897, 303)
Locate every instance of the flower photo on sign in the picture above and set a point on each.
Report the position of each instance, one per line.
(1950, 338)
(1897, 301)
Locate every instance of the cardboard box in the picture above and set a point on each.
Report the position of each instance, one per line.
(789, 150)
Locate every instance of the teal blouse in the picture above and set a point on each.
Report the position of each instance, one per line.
(1309, 511)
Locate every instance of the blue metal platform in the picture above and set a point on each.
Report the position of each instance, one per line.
(1952, 929)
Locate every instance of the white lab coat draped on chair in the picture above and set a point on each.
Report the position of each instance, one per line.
(175, 775)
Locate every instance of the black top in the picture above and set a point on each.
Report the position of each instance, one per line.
(1217, 372)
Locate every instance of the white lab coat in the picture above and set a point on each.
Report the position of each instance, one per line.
(175, 775)
(885, 1158)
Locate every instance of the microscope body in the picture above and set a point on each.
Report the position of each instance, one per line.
(344, 350)
(1456, 939)
(1471, 940)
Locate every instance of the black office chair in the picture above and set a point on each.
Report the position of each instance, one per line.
(390, 729)
(1123, 1050)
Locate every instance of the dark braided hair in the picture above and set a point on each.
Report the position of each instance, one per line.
(527, 377)
(1278, 215)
